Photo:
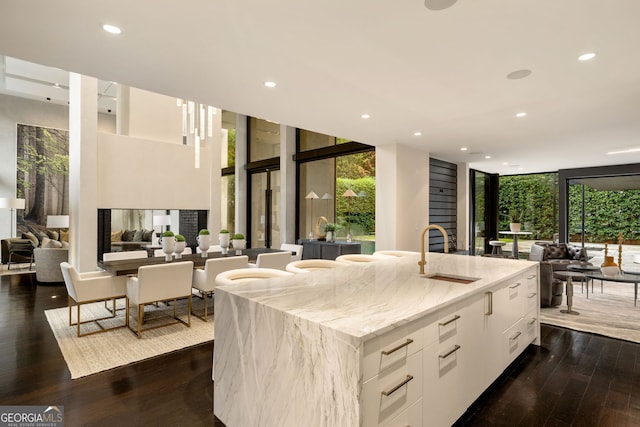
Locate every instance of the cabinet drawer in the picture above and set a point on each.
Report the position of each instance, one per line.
(410, 417)
(531, 326)
(449, 326)
(394, 347)
(514, 341)
(385, 396)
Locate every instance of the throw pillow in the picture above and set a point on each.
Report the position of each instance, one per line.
(29, 235)
(65, 245)
(52, 234)
(147, 235)
(116, 236)
(64, 235)
(127, 235)
(40, 235)
(50, 243)
(556, 252)
(138, 236)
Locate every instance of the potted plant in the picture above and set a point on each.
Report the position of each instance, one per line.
(168, 244)
(180, 244)
(239, 243)
(204, 241)
(330, 231)
(515, 218)
(223, 237)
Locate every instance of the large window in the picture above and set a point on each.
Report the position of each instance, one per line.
(264, 139)
(228, 160)
(342, 176)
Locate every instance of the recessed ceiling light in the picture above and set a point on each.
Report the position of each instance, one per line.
(417, 133)
(111, 29)
(439, 4)
(487, 157)
(56, 85)
(587, 56)
(270, 84)
(505, 163)
(365, 116)
(521, 114)
(519, 74)
(464, 149)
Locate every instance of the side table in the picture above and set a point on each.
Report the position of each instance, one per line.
(569, 275)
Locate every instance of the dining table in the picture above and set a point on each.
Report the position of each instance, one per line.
(125, 267)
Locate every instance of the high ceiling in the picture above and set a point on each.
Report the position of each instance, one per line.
(411, 68)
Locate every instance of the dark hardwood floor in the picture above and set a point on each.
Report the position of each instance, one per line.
(574, 378)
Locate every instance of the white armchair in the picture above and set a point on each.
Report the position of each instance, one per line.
(114, 256)
(160, 282)
(293, 248)
(308, 265)
(204, 279)
(84, 288)
(277, 260)
(398, 254)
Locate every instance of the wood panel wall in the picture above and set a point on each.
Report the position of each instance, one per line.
(443, 203)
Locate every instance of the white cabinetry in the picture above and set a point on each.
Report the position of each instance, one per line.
(430, 371)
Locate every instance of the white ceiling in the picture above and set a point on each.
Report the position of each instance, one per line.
(442, 73)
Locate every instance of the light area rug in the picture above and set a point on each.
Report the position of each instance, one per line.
(118, 347)
(610, 313)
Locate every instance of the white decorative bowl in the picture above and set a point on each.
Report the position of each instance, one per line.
(610, 270)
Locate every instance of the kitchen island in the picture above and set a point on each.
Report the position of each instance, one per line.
(372, 344)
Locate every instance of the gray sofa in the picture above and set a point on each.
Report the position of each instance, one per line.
(47, 262)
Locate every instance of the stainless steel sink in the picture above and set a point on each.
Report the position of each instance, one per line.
(451, 278)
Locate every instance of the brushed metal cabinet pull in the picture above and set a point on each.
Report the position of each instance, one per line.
(515, 286)
(489, 303)
(532, 295)
(531, 277)
(532, 321)
(393, 350)
(404, 382)
(453, 319)
(450, 352)
(515, 337)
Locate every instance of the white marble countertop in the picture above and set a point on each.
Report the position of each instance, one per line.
(363, 301)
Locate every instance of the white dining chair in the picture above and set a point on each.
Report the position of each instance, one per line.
(245, 275)
(85, 288)
(116, 256)
(159, 282)
(297, 249)
(308, 265)
(204, 279)
(212, 248)
(360, 258)
(277, 260)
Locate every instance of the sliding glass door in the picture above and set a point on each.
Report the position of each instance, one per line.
(265, 208)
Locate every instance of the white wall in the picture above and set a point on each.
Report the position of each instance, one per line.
(402, 196)
(139, 173)
(154, 116)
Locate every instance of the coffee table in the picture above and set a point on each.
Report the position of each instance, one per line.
(620, 278)
(569, 275)
(585, 267)
(514, 250)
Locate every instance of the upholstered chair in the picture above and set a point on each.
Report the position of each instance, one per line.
(308, 265)
(85, 288)
(297, 249)
(277, 260)
(245, 275)
(116, 256)
(204, 279)
(159, 282)
(360, 258)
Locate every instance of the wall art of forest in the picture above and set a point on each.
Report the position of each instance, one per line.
(607, 213)
(42, 175)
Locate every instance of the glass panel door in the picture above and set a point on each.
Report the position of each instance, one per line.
(265, 209)
(484, 208)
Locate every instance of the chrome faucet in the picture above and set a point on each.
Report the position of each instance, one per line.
(423, 261)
